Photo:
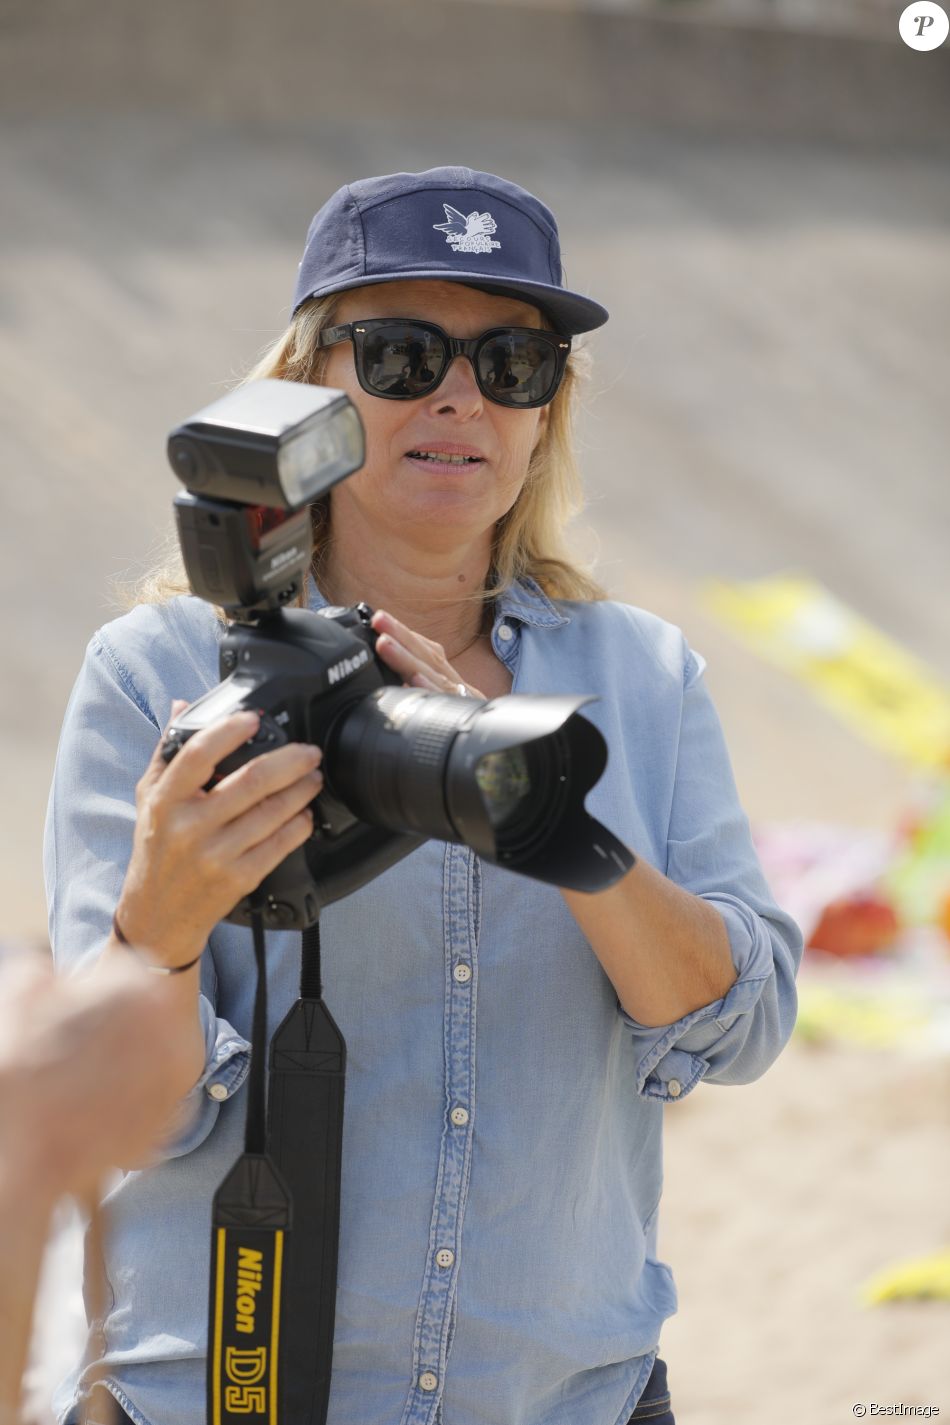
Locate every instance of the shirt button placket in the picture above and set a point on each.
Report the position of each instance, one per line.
(461, 886)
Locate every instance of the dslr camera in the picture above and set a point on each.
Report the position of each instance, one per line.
(506, 777)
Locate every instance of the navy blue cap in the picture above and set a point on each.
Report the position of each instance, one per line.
(453, 224)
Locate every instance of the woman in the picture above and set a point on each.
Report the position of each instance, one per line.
(510, 1046)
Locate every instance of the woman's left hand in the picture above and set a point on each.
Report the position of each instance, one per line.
(418, 661)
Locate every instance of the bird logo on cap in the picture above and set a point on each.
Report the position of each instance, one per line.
(468, 234)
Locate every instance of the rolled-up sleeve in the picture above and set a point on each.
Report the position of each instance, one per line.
(109, 733)
(710, 852)
(227, 1061)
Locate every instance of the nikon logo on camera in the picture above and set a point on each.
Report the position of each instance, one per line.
(346, 666)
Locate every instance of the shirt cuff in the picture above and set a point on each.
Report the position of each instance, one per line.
(675, 1057)
(227, 1060)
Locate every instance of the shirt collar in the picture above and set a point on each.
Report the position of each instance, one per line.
(527, 601)
(524, 600)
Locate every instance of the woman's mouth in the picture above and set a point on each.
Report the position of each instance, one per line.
(442, 460)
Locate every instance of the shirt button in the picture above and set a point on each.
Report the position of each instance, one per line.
(462, 973)
(504, 632)
(445, 1258)
(428, 1380)
(459, 1117)
(674, 1088)
(217, 1091)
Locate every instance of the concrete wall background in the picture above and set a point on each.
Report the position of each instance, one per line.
(567, 62)
(769, 392)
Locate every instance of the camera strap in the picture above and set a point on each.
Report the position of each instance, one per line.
(305, 1141)
(272, 1312)
(250, 1221)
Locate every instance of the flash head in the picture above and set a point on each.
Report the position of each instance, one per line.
(280, 444)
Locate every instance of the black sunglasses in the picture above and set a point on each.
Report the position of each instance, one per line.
(399, 358)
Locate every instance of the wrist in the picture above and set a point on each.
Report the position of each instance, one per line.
(135, 933)
(155, 967)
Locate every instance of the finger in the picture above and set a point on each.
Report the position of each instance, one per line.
(422, 680)
(260, 860)
(426, 648)
(402, 660)
(261, 778)
(268, 816)
(156, 763)
(194, 765)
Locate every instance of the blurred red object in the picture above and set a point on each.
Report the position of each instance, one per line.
(860, 925)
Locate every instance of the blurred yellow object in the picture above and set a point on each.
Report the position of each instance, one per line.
(857, 1016)
(920, 1279)
(919, 879)
(885, 693)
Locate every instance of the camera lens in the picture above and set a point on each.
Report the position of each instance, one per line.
(504, 781)
(506, 778)
(385, 757)
(493, 777)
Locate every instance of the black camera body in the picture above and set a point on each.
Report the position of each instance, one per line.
(302, 671)
(506, 777)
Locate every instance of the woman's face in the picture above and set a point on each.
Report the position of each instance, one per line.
(395, 487)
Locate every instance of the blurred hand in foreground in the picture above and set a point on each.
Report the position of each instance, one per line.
(88, 1074)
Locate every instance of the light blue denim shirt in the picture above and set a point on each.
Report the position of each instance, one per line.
(498, 1266)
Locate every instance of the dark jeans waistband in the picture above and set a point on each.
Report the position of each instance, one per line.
(653, 1407)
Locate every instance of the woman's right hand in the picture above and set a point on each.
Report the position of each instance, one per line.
(196, 853)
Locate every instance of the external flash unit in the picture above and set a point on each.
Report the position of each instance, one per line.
(282, 444)
(252, 463)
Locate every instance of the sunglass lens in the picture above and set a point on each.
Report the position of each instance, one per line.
(517, 368)
(401, 360)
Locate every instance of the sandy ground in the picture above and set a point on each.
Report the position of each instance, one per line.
(771, 395)
(781, 1198)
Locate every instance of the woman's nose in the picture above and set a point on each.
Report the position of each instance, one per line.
(458, 391)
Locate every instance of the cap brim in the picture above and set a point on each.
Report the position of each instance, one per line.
(569, 311)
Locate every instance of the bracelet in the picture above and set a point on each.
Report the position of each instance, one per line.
(153, 969)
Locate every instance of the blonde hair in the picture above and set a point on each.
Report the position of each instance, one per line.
(529, 539)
